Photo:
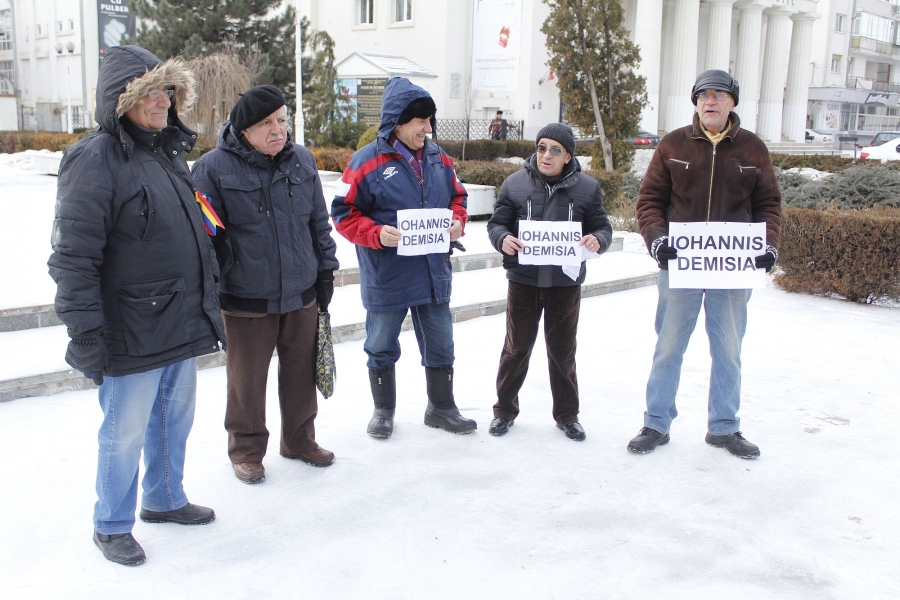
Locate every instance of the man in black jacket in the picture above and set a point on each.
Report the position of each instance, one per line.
(136, 287)
(278, 262)
(551, 187)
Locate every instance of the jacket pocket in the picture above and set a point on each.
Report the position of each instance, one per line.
(243, 199)
(147, 214)
(153, 316)
(740, 181)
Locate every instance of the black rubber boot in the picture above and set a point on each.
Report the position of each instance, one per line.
(384, 393)
(442, 412)
(120, 548)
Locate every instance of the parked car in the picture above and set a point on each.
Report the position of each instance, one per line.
(644, 139)
(884, 136)
(818, 138)
(889, 150)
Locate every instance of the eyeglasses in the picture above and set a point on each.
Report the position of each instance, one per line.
(157, 95)
(555, 151)
(717, 95)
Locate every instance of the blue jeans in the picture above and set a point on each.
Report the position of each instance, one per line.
(152, 411)
(726, 322)
(433, 325)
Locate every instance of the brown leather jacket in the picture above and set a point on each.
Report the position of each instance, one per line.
(691, 180)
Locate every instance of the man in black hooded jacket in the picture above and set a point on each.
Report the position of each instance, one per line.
(136, 286)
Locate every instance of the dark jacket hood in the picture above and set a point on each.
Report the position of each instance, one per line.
(398, 93)
(128, 73)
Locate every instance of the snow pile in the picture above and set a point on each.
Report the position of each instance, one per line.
(641, 161)
(22, 160)
(812, 174)
(514, 160)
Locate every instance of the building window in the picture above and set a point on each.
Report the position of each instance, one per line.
(38, 30)
(7, 76)
(59, 25)
(836, 63)
(71, 24)
(839, 22)
(402, 11)
(5, 30)
(365, 13)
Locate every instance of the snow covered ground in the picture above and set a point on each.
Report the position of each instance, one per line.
(427, 514)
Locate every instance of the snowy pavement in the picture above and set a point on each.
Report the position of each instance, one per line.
(427, 514)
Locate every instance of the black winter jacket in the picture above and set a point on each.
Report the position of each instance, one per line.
(524, 195)
(277, 236)
(130, 255)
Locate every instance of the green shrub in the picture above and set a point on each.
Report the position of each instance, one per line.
(858, 186)
(369, 136)
(485, 172)
(852, 253)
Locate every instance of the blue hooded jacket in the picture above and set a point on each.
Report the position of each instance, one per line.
(379, 182)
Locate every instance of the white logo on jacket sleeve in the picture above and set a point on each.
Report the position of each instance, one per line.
(389, 172)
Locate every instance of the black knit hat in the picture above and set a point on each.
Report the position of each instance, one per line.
(254, 105)
(559, 132)
(715, 79)
(420, 108)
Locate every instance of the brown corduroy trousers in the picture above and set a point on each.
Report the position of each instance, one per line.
(560, 307)
(251, 341)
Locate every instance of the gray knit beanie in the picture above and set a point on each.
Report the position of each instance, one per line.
(559, 132)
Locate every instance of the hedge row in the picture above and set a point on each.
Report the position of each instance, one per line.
(852, 253)
(19, 141)
(332, 159)
(492, 149)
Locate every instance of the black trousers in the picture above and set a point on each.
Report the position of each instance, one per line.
(251, 341)
(560, 307)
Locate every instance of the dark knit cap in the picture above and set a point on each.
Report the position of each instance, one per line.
(715, 79)
(254, 105)
(559, 132)
(420, 108)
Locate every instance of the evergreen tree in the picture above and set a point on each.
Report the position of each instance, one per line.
(193, 28)
(592, 55)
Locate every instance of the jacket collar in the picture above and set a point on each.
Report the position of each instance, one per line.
(697, 131)
(230, 141)
(567, 179)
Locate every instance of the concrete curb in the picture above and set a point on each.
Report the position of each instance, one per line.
(48, 384)
(35, 317)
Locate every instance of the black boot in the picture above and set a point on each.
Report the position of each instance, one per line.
(384, 392)
(442, 412)
(120, 548)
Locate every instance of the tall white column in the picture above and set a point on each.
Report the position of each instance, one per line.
(684, 64)
(647, 36)
(797, 93)
(746, 69)
(771, 96)
(718, 45)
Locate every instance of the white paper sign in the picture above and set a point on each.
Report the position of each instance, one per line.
(424, 231)
(550, 243)
(717, 256)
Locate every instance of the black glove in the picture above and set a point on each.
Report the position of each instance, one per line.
(662, 252)
(87, 353)
(767, 261)
(324, 289)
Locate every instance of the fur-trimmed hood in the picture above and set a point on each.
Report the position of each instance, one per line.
(128, 73)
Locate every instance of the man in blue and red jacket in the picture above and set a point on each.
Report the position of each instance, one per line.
(403, 169)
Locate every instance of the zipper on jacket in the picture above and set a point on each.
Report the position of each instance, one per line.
(529, 210)
(748, 168)
(681, 162)
(712, 171)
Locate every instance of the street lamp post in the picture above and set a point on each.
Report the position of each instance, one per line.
(298, 53)
(70, 47)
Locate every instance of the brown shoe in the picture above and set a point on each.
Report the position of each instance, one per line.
(250, 472)
(320, 457)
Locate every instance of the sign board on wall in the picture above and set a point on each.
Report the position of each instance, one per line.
(369, 94)
(496, 43)
(830, 116)
(717, 256)
(115, 23)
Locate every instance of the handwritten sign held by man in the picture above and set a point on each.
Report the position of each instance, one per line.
(716, 255)
(424, 231)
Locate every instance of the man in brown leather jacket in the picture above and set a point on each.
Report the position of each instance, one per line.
(711, 170)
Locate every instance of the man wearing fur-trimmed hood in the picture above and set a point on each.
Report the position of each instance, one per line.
(136, 286)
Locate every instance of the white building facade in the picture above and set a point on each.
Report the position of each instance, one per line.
(855, 84)
(766, 45)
